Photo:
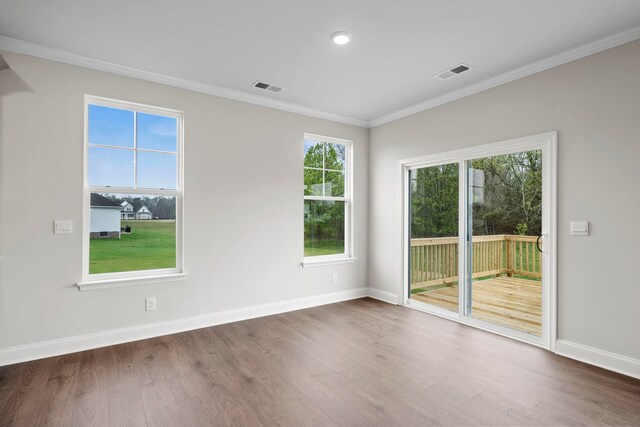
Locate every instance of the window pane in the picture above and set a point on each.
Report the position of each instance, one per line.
(157, 132)
(110, 126)
(334, 184)
(433, 255)
(156, 170)
(505, 216)
(334, 157)
(131, 232)
(110, 167)
(323, 227)
(313, 154)
(312, 182)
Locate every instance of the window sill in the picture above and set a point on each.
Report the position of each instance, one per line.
(323, 262)
(130, 281)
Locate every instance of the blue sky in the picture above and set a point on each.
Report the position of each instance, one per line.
(157, 132)
(110, 126)
(115, 167)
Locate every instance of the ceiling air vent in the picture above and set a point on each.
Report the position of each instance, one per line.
(452, 72)
(267, 86)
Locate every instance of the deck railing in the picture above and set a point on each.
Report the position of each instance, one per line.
(434, 261)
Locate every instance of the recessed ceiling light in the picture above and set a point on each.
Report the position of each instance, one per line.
(341, 37)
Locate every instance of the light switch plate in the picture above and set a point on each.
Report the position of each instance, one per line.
(579, 228)
(63, 227)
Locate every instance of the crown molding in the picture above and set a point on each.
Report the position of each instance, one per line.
(12, 45)
(608, 42)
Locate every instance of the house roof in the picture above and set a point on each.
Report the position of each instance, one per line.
(98, 201)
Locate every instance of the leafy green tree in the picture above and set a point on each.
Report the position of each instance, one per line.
(512, 194)
(506, 191)
(324, 176)
(434, 201)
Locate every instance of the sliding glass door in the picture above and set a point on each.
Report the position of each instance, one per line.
(505, 222)
(433, 253)
(477, 224)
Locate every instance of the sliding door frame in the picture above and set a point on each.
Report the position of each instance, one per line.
(547, 142)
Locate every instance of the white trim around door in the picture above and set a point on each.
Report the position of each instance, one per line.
(547, 143)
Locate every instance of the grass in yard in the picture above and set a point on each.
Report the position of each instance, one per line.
(151, 245)
(324, 248)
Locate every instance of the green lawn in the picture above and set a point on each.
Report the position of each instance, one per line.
(151, 245)
(324, 248)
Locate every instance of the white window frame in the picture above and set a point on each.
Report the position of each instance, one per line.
(347, 256)
(126, 278)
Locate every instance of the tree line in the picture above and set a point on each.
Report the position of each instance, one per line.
(506, 193)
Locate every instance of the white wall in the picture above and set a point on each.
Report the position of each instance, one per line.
(105, 219)
(243, 219)
(242, 159)
(594, 103)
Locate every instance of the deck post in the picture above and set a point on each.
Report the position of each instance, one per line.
(509, 247)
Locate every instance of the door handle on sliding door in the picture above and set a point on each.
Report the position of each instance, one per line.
(538, 242)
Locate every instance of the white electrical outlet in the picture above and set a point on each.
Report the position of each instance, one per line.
(334, 278)
(150, 303)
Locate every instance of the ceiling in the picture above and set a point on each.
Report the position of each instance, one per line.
(397, 46)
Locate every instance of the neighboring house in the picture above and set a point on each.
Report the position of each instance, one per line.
(105, 218)
(143, 213)
(127, 211)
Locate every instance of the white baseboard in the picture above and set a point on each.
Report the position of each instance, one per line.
(603, 359)
(23, 353)
(383, 295)
(40, 350)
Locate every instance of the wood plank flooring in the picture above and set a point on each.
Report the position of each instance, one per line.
(506, 301)
(361, 362)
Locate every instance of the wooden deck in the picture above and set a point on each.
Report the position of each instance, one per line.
(506, 301)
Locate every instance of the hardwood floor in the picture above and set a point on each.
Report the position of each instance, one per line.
(506, 301)
(361, 362)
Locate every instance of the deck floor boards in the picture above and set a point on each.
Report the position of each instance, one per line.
(506, 301)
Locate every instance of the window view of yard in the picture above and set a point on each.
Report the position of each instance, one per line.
(137, 151)
(324, 198)
(151, 245)
(131, 232)
(324, 227)
(326, 247)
